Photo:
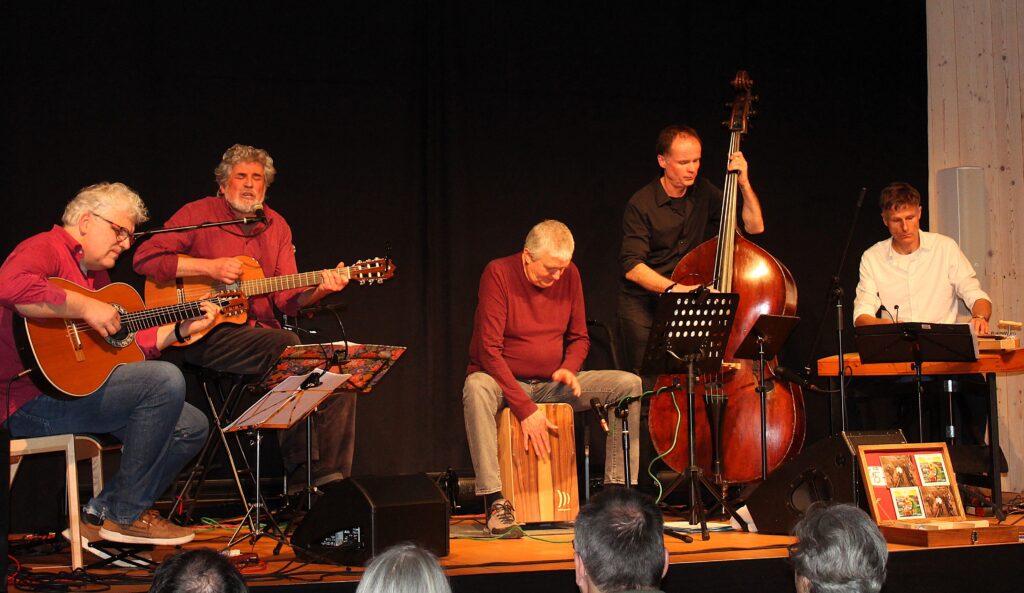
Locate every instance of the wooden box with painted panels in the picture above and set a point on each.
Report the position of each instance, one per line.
(913, 495)
(541, 490)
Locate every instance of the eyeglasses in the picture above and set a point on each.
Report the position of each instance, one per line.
(119, 231)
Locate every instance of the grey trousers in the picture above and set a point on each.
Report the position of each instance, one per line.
(482, 400)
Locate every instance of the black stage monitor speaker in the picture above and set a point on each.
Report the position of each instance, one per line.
(824, 471)
(357, 518)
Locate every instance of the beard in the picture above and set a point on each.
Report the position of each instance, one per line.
(243, 207)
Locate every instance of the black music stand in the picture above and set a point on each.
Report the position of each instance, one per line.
(288, 403)
(917, 343)
(689, 335)
(764, 341)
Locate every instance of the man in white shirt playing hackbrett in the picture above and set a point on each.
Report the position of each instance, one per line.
(917, 276)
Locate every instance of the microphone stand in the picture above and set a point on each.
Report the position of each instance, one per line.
(202, 225)
(835, 298)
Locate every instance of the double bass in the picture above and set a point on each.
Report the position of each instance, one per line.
(731, 263)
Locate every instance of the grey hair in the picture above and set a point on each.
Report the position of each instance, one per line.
(619, 538)
(197, 571)
(105, 198)
(840, 550)
(241, 153)
(550, 237)
(404, 568)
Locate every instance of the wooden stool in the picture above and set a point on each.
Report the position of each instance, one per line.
(541, 490)
(75, 447)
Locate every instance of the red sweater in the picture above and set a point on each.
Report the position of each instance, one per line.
(524, 332)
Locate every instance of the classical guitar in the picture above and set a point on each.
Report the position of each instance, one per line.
(253, 283)
(77, 360)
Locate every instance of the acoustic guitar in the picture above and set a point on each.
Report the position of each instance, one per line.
(253, 283)
(76, 360)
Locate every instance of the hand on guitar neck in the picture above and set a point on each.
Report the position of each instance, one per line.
(198, 278)
(332, 281)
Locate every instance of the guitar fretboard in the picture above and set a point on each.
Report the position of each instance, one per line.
(267, 285)
(140, 320)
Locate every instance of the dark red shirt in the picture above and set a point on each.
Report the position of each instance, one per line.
(268, 243)
(23, 281)
(525, 332)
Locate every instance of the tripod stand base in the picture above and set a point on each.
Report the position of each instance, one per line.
(695, 476)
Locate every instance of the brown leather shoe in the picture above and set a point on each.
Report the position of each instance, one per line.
(149, 528)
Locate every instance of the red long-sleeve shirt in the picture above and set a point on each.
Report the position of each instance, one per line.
(268, 243)
(524, 332)
(23, 281)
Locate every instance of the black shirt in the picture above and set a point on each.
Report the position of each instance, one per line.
(658, 230)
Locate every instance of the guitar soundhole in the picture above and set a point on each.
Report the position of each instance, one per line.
(124, 337)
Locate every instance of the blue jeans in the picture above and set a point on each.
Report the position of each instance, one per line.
(143, 405)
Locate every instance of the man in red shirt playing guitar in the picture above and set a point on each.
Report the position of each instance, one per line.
(140, 403)
(243, 176)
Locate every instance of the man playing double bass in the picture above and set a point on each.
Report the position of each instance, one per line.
(665, 220)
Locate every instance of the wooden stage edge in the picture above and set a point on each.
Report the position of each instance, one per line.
(542, 562)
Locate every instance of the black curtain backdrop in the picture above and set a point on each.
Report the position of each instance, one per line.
(446, 129)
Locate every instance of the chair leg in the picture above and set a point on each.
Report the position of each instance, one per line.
(97, 472)
(74, 509)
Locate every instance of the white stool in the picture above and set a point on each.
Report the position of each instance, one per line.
(76, 447)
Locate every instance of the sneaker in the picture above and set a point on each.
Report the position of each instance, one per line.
(91, 533)
(149, 528)
(501, 520)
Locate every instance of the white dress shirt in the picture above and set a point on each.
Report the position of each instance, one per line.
(921, 286)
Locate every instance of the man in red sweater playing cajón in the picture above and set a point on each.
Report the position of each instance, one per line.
(529, 342)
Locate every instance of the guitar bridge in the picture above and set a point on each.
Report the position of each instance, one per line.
(76, 340)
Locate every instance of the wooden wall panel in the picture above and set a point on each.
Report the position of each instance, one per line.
(975, 83)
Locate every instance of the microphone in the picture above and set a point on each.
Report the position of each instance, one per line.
(259, 212)
(598, 408)
(794, 377)
(882, 309)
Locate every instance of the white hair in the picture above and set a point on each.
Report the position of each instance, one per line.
(404, 568)
(105, 198)
(552, 238)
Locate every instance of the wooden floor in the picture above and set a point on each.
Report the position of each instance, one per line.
(543, 562)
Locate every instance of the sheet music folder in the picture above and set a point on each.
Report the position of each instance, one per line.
(899, 342)
(366, 364)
